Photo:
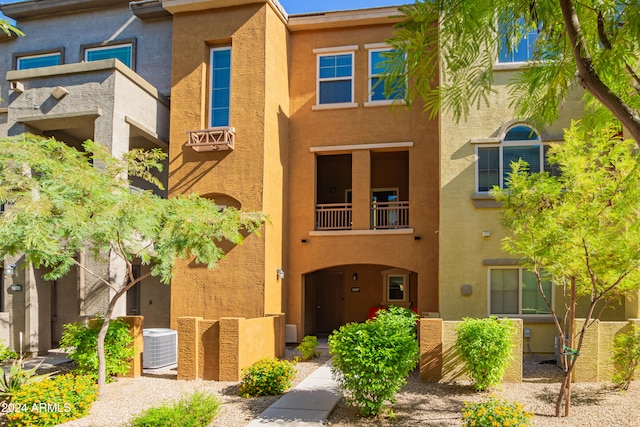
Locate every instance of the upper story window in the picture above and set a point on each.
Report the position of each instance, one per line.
(25, 62)
(121, 51)
(494, 162)
(514, 291)
(220, 86)
(377, 70)
(335, 83)
(510, 52)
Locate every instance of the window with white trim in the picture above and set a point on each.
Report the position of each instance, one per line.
(494, 161)
(335, 84)
(514, 291)
(122, 52)
(396, 286)
(377, 70)
(523, 50)
(26, 62)
(220, 86)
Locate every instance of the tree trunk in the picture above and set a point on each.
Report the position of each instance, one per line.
(567, 365)
(102, 362)
(590, 80)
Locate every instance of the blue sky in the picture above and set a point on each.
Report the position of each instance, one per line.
(306, 6)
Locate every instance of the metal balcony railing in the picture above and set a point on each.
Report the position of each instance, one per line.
(389, 215)
(333, 216)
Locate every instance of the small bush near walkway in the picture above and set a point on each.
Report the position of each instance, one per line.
(372, 360)
(485, 347)
(267, 377)
(194, 410)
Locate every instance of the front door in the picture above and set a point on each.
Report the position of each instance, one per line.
(329, 297)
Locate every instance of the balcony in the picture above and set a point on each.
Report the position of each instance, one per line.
(213, 139)
(384, 216)
(389, 215)
(333, 216)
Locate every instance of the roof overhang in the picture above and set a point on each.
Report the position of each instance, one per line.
(346, 18)
(38, 8)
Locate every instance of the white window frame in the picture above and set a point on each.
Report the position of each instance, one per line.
(372, 48)
(500, 145)
(40, 55)
(520, 313)
(387, 275)
(89, 49)
(334, 51)
(210, 82)
(506, 65)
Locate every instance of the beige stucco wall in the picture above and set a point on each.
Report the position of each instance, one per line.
(465, 255)
(252, 174)
(355, 127)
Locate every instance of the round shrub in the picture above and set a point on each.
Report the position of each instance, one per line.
(267, 377)
(52, 401)
(495, 412)
(372, 360)
(485, 347)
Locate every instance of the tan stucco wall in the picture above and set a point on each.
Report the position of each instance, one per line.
(348, 127)
(439, 360)
(252, 174)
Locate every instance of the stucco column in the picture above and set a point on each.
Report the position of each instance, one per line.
(361, 193)
(30, 339)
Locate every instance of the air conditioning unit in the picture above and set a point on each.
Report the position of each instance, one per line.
(160, 348)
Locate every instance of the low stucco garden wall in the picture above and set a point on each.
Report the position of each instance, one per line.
(220, 349)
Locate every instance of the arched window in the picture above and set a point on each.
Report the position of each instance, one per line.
(519, 141)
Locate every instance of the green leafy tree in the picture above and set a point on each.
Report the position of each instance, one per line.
(9, 29)
(61, 204)
(591, 43)
(581, 228)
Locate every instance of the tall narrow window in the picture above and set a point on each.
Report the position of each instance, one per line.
(122, 52)
(36, 61)
(220, 84)
(335, 78)
(377, 70)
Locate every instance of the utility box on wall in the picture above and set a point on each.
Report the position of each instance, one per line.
(160, 348)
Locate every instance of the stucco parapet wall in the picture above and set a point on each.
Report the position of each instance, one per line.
(349, 18)
(84, 68)
(39, 8)
(180, 6)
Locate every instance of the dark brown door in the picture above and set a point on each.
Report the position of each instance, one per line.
(328, 302)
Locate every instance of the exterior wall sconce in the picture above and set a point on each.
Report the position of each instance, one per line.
(280, 273)
(9, 269)
(355, 276)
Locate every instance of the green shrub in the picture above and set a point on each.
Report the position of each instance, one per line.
(626, 356)
(485, 347)
(6, 353)
(195, 410)
(83, 342)
(267, 377)
(52, 401)
(308, 347)
(372, 360)
(495, 412)
(11, 382)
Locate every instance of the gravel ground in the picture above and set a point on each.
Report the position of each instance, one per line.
(419, 404)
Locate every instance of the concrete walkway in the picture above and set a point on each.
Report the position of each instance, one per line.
(308, 404)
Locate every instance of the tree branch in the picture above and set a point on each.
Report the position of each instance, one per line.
(94, 275)
(589, 79)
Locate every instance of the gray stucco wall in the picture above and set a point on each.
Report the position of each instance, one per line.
(74, 30)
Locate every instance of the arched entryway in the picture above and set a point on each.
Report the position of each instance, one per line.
(351, 293)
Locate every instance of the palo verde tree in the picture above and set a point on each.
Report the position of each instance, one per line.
(591, 43)
(580, 228)
(64, 202)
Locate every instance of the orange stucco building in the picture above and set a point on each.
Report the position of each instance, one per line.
(280, 114)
